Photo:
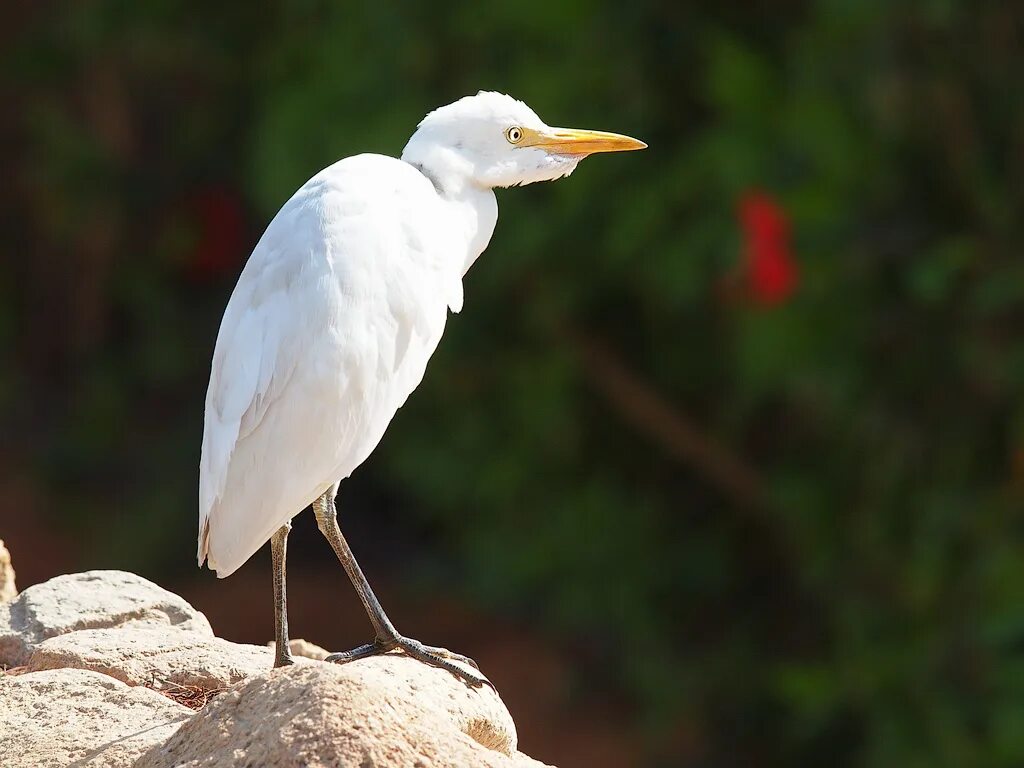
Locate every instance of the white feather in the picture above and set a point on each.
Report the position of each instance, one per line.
(327, 332)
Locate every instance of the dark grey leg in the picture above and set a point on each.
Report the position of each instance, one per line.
(278, 552)
(386, 636)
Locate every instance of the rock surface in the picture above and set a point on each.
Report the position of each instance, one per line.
(90, 600)
(71, 717)
(90, 647)
(154, 655)
(303, 649)
(7, 589)
(383, 711)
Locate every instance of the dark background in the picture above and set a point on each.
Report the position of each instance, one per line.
(723, 462)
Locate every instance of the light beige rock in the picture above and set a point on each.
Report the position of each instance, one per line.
(145, 654)
(90, 600)
(66, 717)
(303, 649)
(7, 589)
(86, 635)
(383, 711)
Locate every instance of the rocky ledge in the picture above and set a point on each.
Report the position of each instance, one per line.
(106, 669)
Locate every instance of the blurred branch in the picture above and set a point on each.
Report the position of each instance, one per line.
(649, 412)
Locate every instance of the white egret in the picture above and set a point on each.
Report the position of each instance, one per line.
(332, 322)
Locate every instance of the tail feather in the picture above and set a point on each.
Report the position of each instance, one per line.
(204, 542)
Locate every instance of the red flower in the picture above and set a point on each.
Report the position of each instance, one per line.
(770, 266)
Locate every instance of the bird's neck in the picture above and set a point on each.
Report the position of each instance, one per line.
(471, 209)
(475, 212)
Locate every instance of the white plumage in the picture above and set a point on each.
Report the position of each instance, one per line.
(328, 331)
(342, 303)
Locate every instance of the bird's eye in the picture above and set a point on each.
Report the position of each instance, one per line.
(514, 134)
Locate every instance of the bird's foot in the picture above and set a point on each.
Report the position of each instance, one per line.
(428, 654)
(284, 660)
(282, 655)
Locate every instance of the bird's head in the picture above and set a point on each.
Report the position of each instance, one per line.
(492, 140)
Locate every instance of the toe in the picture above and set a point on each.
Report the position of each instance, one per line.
(445, 659)
(444, 653)
(361, 652)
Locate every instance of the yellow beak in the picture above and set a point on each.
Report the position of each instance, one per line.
(573, 141)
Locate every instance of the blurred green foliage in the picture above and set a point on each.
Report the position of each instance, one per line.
(867, 608)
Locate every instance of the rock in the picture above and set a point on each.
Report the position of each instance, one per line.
(144, 654)
(7, 589)
(382, 711)
(91, 646)
(303, 649)
(90, 600)
(70, 717)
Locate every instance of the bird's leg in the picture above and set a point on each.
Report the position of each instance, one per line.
(278, 551)
(386, 636)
